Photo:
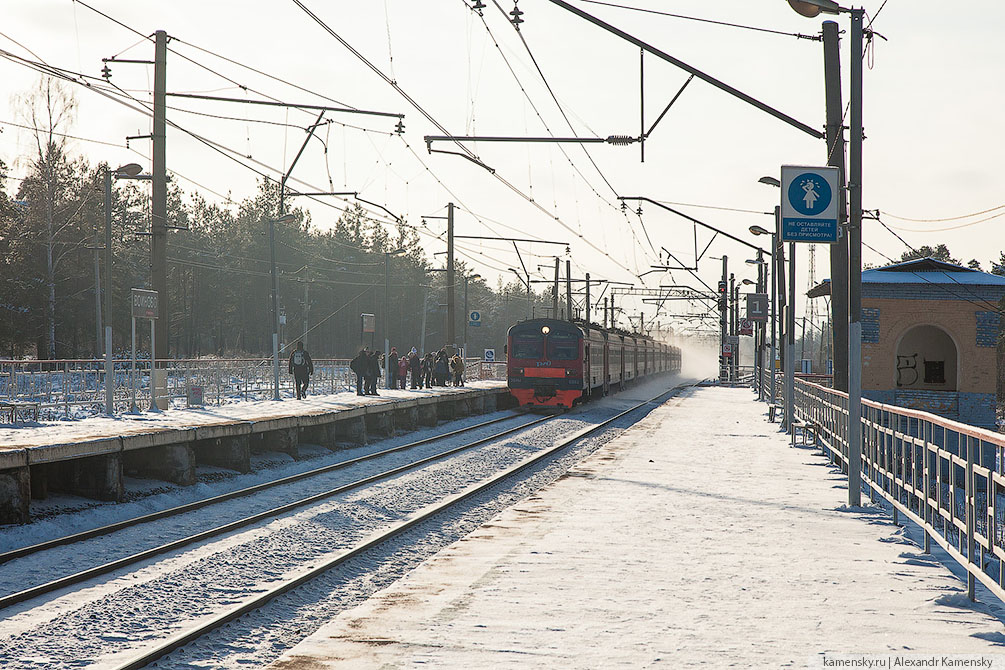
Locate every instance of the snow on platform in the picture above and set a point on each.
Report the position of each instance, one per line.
(698, 538)
(98, 427)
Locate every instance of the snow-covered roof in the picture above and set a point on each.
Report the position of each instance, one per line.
(920, 271)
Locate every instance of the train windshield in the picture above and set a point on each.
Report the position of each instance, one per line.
(563, 346)
(527, 346)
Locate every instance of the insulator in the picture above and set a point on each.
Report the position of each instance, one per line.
(516, 14)
(620, 140)
(400, 127)
(478, 6)
(106, 72)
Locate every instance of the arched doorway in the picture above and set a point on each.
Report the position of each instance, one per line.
(926, 359)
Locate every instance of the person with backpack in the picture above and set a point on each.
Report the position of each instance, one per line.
(360, 365)
(301, 367)
(457, 369)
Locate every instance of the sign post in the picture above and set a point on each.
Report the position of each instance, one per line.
(144, 306)
(810, 197)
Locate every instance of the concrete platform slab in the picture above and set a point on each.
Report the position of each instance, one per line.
(697, 539)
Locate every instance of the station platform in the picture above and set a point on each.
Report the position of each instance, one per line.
(697, 538)
(90, 457)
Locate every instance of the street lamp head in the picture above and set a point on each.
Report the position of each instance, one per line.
(286, 218)
(770, 181)
(128, 170)
(811, 8)
(474, 276)
(758, 230)
(754, 261)
(396, 252)
(749, 282)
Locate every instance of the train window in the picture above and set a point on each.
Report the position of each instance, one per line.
(563, 347)
(527, 346)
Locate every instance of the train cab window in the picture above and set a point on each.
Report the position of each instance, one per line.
(563, 347)
(528, 346)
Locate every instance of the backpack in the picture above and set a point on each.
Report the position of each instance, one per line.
(298, 358)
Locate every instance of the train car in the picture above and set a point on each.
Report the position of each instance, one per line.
(545, 360)
(553, 363)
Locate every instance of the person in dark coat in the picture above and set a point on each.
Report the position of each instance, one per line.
(427, 371)
(392, 361)
(440, 368)
(359, 366)
(415, 368)
(301, 367)
(373, 372)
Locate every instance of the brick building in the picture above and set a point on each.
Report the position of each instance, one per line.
(929, 336)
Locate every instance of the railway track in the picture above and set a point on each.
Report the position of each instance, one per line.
(376, 540)
(105, 568)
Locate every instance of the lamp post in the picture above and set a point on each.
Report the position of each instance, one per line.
(777, 259)
(128, 171)
(387, 320)
(812, 8)
(285, 218)
(467, 278)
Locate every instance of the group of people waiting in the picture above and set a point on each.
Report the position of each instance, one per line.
(423, 371)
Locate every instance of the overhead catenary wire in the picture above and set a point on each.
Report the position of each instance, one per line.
(467, 152)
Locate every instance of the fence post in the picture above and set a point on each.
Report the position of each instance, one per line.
(969, 508)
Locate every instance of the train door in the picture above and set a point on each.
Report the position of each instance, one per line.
(621, 359)
(607, 365)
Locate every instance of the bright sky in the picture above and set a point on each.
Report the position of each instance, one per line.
(932, 97)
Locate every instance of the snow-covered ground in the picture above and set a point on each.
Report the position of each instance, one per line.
(698, 538)
(106, 621)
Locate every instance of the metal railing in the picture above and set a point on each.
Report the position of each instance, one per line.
(68, 388)
(947, 477)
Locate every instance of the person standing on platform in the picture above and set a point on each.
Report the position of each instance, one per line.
(301, 367)
(415, 368)
(440, 368)
(373, 372)
(427, 371)
(360, 365)
(457, 369)
(402, 372)
(392, 363)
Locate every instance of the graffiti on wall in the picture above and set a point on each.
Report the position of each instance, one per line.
(907, 370)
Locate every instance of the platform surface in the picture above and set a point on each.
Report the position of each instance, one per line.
(99, 427)
(697, 539)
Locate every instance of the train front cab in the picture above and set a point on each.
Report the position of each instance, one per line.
(545, 363)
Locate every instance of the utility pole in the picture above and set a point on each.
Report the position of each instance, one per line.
(158, 203)
(836, 158)
(790, 335)
(855, 277)
(97, 295)
(732, 326)
(307, 302)
(613, 317)
(568, 289)
(723, 363)
(450, 275)
(554, 293)
(605, 313)
(587, 311)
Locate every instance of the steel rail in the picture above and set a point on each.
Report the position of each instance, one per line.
(427, 513)
(198, 504)
(111, 566)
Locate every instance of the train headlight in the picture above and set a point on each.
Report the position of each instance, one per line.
(545, 329)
